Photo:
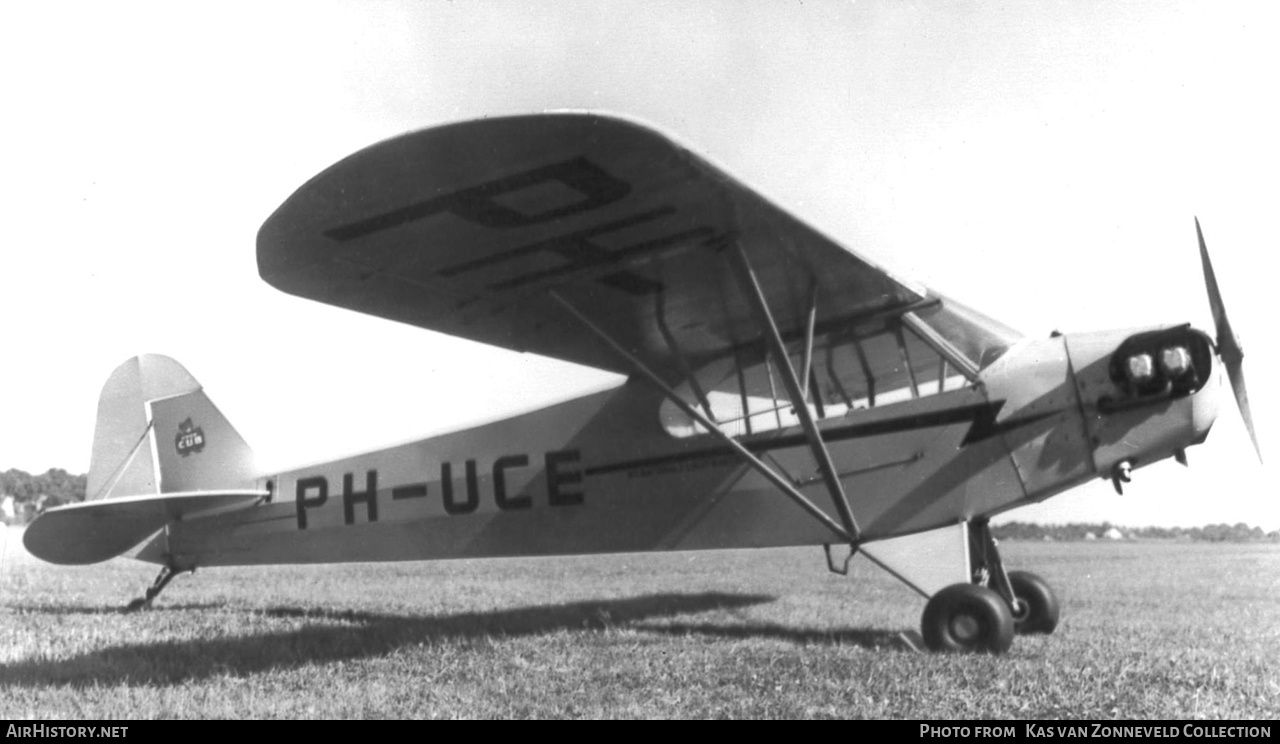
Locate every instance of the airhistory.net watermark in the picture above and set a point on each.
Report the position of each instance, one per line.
(40, 730)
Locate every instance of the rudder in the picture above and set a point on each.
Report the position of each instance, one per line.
(157, 432)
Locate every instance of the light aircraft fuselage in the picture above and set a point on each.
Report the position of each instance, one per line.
(781, 388)
(601, 473)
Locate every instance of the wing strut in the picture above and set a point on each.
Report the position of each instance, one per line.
(807, 377)
(751, 288)
(783, 484)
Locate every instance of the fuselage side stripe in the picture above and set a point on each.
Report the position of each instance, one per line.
(976, 414)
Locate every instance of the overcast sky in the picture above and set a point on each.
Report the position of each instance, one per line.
(1040, 161)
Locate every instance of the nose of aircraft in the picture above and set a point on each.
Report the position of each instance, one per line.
(1145, 394)
(1205, 403)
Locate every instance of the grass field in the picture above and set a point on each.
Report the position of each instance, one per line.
(1149, 630)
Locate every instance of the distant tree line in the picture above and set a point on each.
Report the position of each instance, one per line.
(1239, 532)
(32, 494)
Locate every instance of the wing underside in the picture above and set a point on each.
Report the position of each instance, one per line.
(467, 229)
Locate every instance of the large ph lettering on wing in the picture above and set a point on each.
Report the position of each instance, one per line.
(579, 186)
(479, 204)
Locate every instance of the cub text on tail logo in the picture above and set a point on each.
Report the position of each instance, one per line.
(190, 438)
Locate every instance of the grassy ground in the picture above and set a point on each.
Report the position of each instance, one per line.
(1150, 630)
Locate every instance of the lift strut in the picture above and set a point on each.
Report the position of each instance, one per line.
(787, 488)
(790, 381)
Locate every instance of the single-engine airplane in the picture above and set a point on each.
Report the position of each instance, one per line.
(781, 390)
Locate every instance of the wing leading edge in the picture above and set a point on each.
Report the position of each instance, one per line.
(466, 229)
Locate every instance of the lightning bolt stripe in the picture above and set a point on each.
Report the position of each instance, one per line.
(982, 416)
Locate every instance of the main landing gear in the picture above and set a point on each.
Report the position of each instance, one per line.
(983, 616)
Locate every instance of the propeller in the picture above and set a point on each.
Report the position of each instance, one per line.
(1228, 342)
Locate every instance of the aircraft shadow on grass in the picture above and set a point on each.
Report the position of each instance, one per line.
(39, 608)
(361, 634)
(869, 638)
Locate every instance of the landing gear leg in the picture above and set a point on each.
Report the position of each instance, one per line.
(984, 615)
(1031, 601)
(166, 575)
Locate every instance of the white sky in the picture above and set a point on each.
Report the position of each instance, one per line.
(1041, 161)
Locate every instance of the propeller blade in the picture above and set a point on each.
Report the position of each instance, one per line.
(1228, 343)
(1220, 322)
(1236, 375)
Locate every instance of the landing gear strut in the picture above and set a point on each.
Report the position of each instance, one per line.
(162, 580)
(985, 614)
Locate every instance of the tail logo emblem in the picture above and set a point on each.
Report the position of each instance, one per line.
(190, 438)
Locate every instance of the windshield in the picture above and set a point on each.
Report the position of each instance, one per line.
(979, 338)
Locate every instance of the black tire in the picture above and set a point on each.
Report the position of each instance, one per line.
(967, 618)
(1040, 605)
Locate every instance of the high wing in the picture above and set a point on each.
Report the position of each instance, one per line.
(466, 229)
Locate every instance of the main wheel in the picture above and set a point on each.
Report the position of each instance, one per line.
(1038, 610)
(967, 618)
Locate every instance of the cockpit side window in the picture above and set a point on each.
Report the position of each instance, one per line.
(885, 363)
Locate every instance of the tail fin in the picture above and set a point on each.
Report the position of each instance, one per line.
(157, 432)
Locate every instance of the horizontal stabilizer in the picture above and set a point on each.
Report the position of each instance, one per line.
(90, 532)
